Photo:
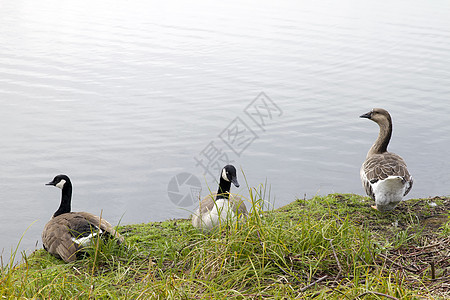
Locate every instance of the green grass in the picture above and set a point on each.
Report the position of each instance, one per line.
(331, 247)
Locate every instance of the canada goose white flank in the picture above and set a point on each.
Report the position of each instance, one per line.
(218, 208)
(67, 232)
(384, 175)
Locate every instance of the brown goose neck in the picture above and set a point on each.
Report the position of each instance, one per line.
(382, 141)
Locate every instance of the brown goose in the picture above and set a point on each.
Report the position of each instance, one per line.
(219, 208)
(384, 175)
(67, 232)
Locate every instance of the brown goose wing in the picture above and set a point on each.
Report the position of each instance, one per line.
(381, 166)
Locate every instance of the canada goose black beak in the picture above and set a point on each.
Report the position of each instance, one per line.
(51, 183)
(367, 115)
(235, 182)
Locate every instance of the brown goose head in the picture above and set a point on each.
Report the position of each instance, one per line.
(379, 116)
(384, 121)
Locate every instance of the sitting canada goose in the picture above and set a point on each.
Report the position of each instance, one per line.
(384, 174)
(67, 232)
(225, 206)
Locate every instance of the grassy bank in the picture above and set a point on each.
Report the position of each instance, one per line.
(333, 247)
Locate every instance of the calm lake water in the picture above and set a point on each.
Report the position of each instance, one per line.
(131, 99)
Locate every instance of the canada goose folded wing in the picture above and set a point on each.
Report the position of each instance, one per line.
(102, 224)
(58, 239)
(207, 204)
(238, 205)
(65, 234)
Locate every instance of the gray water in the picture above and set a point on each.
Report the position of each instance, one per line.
(123, 96)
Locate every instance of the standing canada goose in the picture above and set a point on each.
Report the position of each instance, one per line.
(225, 206)
(384, 174)
(67, 232)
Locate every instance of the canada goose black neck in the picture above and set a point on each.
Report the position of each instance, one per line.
(224, 189)
(66, 197)
(63, 182)
(384, 121)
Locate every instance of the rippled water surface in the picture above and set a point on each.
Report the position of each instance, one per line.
(123, 96)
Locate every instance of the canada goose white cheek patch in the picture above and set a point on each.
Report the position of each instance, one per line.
(224, 175)
(61, 184)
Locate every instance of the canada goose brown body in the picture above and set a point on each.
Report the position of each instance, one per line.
(67, 232)
(384, 175)
(222, 206)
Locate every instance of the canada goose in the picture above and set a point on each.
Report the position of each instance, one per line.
(384, 174)
(67, 232)
(225, 206)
